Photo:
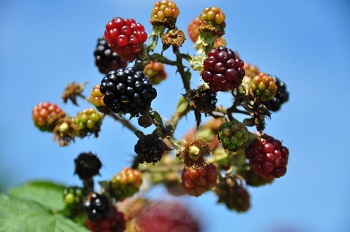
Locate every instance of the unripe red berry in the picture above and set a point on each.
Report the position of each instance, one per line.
(198, 180)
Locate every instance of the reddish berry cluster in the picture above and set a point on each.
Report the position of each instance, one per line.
(267, 157)
(222, 69)
(155, 72)
(126, 37)
(125, 183)
(46, 115)
(192, 29)
(263, 87)
(166, 216)
(198, 180)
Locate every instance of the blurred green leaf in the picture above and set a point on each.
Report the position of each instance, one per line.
(18, 215)
(46, 193)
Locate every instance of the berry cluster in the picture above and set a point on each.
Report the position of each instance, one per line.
(125, 37)
(219, 155)
(222, 70)
(127, 91)
(125, 183)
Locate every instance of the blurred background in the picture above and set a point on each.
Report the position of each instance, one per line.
(44, 45)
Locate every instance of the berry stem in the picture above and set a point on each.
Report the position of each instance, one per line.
(88, 184)
(185, 75)
(123, 121)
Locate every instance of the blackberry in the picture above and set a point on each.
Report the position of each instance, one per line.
(126, 37)
(96, 206)
(96, 97)
(105, 59)
(222, 70)
(73, 197)
(192, 29)
(167, 216)
(197, 180)
(263, 87)
(231, 193)
(47, 115)
(125, 183)
(149, 148)
(87, 165)
(267, 157)
(164, 13)
(113, 222)
(127, 91)
(212, 19)
(155, 72)
(233, 135)
(253, 179)
(88, 122)
(281, 96)
(203, 100)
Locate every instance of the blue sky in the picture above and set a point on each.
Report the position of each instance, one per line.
(44, 45)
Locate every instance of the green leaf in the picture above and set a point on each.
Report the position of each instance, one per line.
(18, 215)
(46, 193)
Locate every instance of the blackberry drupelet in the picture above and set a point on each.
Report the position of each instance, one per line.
(127, 91)
(105, 59)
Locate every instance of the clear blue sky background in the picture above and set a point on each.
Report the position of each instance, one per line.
(46, 44)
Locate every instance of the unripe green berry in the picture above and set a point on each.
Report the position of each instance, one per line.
(233, 135)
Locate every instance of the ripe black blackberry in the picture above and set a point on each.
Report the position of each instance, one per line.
(203, 100)
(105, 59)
(87, 165)
(281, 96)
(96, 206)
(127, 91)
(149, 148)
